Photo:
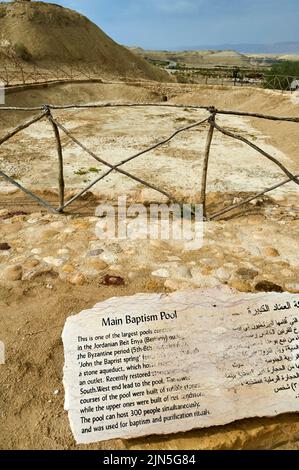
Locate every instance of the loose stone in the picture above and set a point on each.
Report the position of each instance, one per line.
(5, 246)
(12, 273)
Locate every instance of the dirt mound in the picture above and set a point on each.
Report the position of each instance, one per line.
(284, 135)
(196, 58)
(45, 33)
(228, 58)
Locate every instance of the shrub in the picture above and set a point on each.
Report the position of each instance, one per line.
(21, 51)
(281, 75)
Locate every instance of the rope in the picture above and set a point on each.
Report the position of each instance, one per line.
(211, 109)
(114, 167)
(258, 149)
(46, 111)
(29, 77)
(249, 199)
(22, 127)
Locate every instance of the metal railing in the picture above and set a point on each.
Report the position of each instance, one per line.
(46, 112)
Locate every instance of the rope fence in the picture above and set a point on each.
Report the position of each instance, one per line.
(16, 74)
(28, 75)
(46, 112)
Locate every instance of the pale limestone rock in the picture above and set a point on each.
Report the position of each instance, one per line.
(12, 227)
(181, 272)
(287, 273)
(229, 266)
(78, 246)
(77, 279)
(270, 251)
(69, 230)
(98, 264)
(133, 275)
(292, 287)
(116, 267)
(32, 221)
(63, 251)
(12, 273)
(30, 263)
(210, 262)
(63, 276)
(174, 285)
(241, 285)
(57, 225)
(253, 249)
(81, 225)
(173, 258)
(163, 272)
(39, 271)
(222, 275)
(278, 197)
(237, 200)
(246, 273)
(108, 257)
(255, 202)
(202, 280)
(68, 268)
(255, 219)
(54, 261)
(36, 251)
(45, 234)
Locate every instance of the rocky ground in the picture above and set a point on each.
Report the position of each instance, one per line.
(255, 253)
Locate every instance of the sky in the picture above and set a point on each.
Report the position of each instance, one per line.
(172, 24)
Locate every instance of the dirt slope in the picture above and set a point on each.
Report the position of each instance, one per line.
(50, 34)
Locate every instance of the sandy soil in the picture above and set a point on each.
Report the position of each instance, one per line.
(51, 250)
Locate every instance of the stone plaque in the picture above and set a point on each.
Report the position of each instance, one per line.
(159, 364)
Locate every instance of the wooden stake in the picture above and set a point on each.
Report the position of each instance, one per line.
(258, 149)
(113, 167)
(251, 198)
(206, 165)
(21, 127)
(60, 164)
(26, 191)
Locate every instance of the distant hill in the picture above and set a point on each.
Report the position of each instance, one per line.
(196, 58)
(277, 48)
(45, 33)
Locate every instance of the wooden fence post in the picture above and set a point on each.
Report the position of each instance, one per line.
(23, 75)
(203, 194)
(7, 76)
(60, 163)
